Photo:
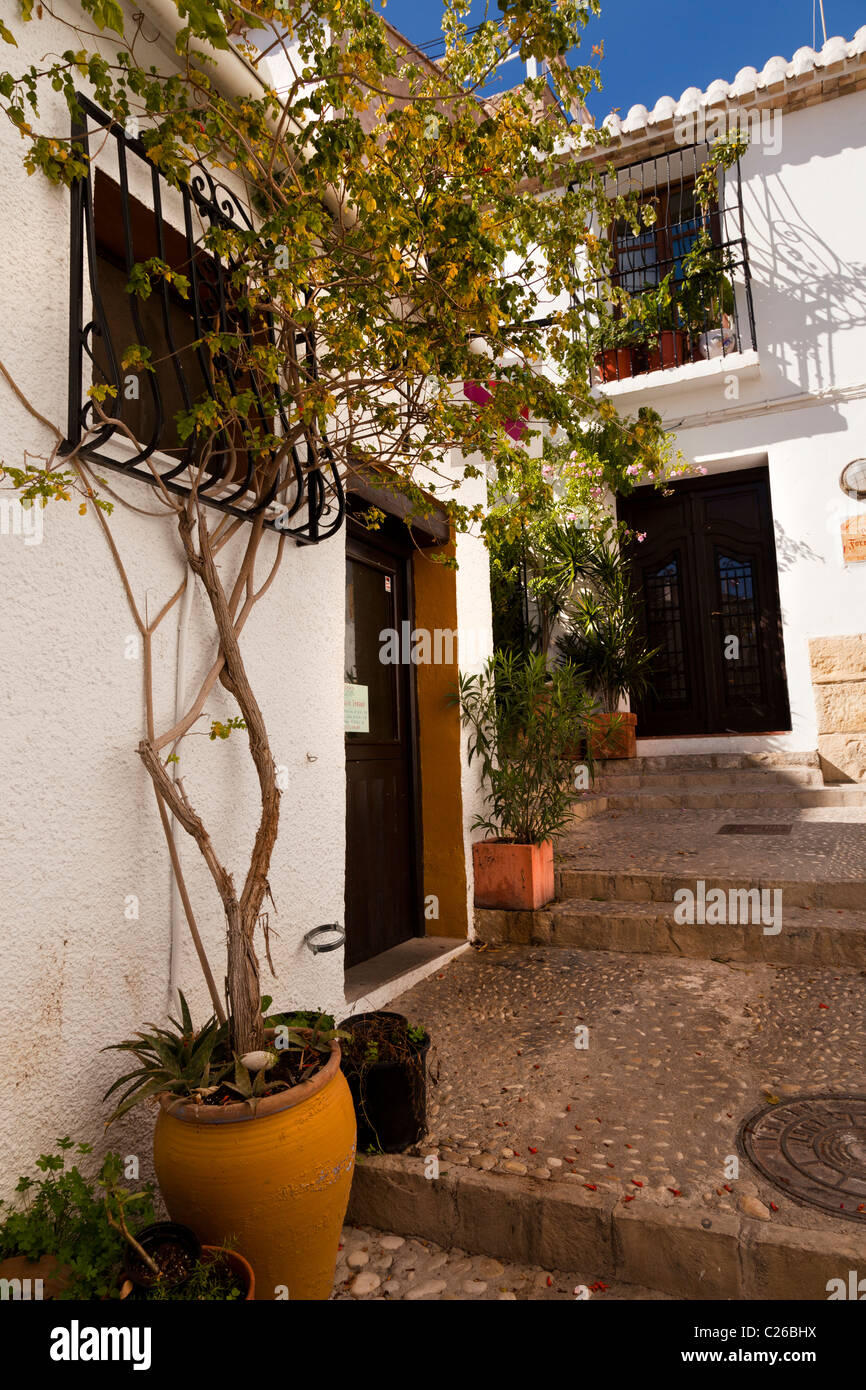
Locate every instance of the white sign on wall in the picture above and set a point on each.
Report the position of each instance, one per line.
(357, 709)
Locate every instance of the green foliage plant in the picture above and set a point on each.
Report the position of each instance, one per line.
(79, 1220)
(525, 727)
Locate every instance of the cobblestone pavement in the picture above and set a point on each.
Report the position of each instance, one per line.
(377, 1265)
(679, 1052)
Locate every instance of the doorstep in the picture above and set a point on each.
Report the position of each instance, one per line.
(373, 983)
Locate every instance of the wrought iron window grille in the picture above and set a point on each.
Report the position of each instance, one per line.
(304, 501)
(711, 313)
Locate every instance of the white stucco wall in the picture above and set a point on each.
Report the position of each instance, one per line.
(81, 832)
(475, 645)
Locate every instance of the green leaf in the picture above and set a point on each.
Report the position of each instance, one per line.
(185, 1014)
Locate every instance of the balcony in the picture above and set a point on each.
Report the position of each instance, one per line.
(682, 282)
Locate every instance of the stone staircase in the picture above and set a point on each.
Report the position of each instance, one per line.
(614, 1158)
(711, 781)
(651, 827)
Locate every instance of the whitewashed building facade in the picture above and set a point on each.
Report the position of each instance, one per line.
(95, 939)
(764, 545)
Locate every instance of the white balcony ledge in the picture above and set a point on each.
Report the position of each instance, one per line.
(650, 386)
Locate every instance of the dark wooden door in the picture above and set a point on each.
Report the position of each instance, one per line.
(382, 818)
(707, 575)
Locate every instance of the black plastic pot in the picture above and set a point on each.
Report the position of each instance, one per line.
(150, 1239)
(390, 1097)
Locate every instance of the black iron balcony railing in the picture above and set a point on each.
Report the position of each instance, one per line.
(686, 274)
(124, 213)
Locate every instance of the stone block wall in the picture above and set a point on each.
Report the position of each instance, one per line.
(839, 682)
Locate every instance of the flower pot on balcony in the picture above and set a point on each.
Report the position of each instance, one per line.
(670, 349)
(718, 342)
(614, 363)
(511, 876)
(614, 735)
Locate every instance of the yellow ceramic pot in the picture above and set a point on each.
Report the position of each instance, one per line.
(277, 1183)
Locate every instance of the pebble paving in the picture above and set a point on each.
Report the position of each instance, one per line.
(376, 1265)
(647, 1105)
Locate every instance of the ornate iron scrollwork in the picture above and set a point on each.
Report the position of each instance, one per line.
(306, 499)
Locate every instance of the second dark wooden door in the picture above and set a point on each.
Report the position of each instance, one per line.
(707, 575)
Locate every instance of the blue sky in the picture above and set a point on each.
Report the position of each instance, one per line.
(658, 50)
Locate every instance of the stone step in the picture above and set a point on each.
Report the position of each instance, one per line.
(752, 779)
(589, 804)
(728, 795)
(684, 1253)
(816, 936)
(599, 885)
(704, 762)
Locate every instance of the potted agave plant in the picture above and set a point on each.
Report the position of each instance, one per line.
(257, 1146)
(603, 643)
(524, 726)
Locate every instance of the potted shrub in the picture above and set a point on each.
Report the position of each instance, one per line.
(385, 1061)
(524, 726)
(668, 328)
(259, 1147)
(604, 644)
(613, 342)
(707, 298)
(213, 1273)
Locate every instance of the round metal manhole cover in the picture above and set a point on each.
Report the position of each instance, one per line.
(814, 1150)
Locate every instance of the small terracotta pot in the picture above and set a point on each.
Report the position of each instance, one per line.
(515, 877)
(614, 363)
(671, 350)
(241, 1268)
(613, 735)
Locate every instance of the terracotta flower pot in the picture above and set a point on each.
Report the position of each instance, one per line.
(40, 1279)
(517, 877)
(277, 1182)
(671, 350)
(614, 363)
(241, 1269)
(613, 735)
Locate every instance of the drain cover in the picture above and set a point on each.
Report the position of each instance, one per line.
(814, 1149)
(756, 828)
